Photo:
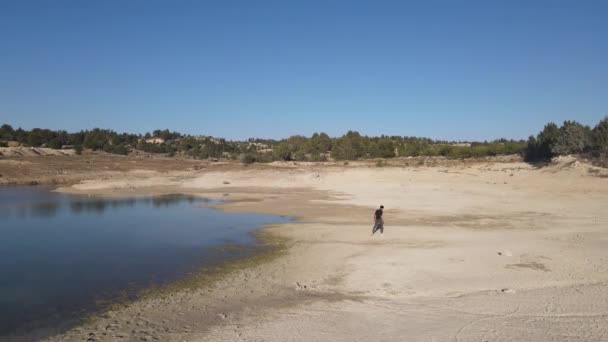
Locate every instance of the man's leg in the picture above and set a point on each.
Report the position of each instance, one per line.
(377, 225)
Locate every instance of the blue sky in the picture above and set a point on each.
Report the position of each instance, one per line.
(458, 70)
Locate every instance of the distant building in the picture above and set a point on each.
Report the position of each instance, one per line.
(259, 146)
(155, 140)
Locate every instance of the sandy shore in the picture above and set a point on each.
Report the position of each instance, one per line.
(473, 252)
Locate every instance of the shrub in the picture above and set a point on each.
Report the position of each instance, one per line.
(247, 158)
(283, 152)
(531, 152)
(386, 148)
(120, 149)
(96, 139)
(6, 132)
(264, 157)
(600, 136)
(539, 148)
(348, 147)
(54, 143)
(573, 138)
(300, 156)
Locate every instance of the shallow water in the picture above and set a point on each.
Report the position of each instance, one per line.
(63, 255)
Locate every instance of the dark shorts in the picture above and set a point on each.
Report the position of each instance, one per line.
(378, 225)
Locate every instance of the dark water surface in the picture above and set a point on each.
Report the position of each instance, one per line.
(62, 255)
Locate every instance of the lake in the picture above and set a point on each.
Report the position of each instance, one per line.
(62, 255)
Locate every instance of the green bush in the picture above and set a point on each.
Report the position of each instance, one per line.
(120, 149)
(54, 143)
(386, 148)
(283, 152)
(300, 156)
(247, 158)
(264, 157)
(348, 147)
(539, 147)
(600, 136)
(7, 132)
(573, 138)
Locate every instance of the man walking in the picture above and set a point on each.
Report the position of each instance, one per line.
(378, 221)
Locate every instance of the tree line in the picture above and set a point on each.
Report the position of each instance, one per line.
(571, 138)
(353, 146)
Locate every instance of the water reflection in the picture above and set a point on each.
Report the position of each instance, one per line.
(40, 210)
(79, 204)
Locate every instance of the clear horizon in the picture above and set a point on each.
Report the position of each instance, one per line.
(472, 70)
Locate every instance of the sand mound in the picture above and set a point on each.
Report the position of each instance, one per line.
(33, 152)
